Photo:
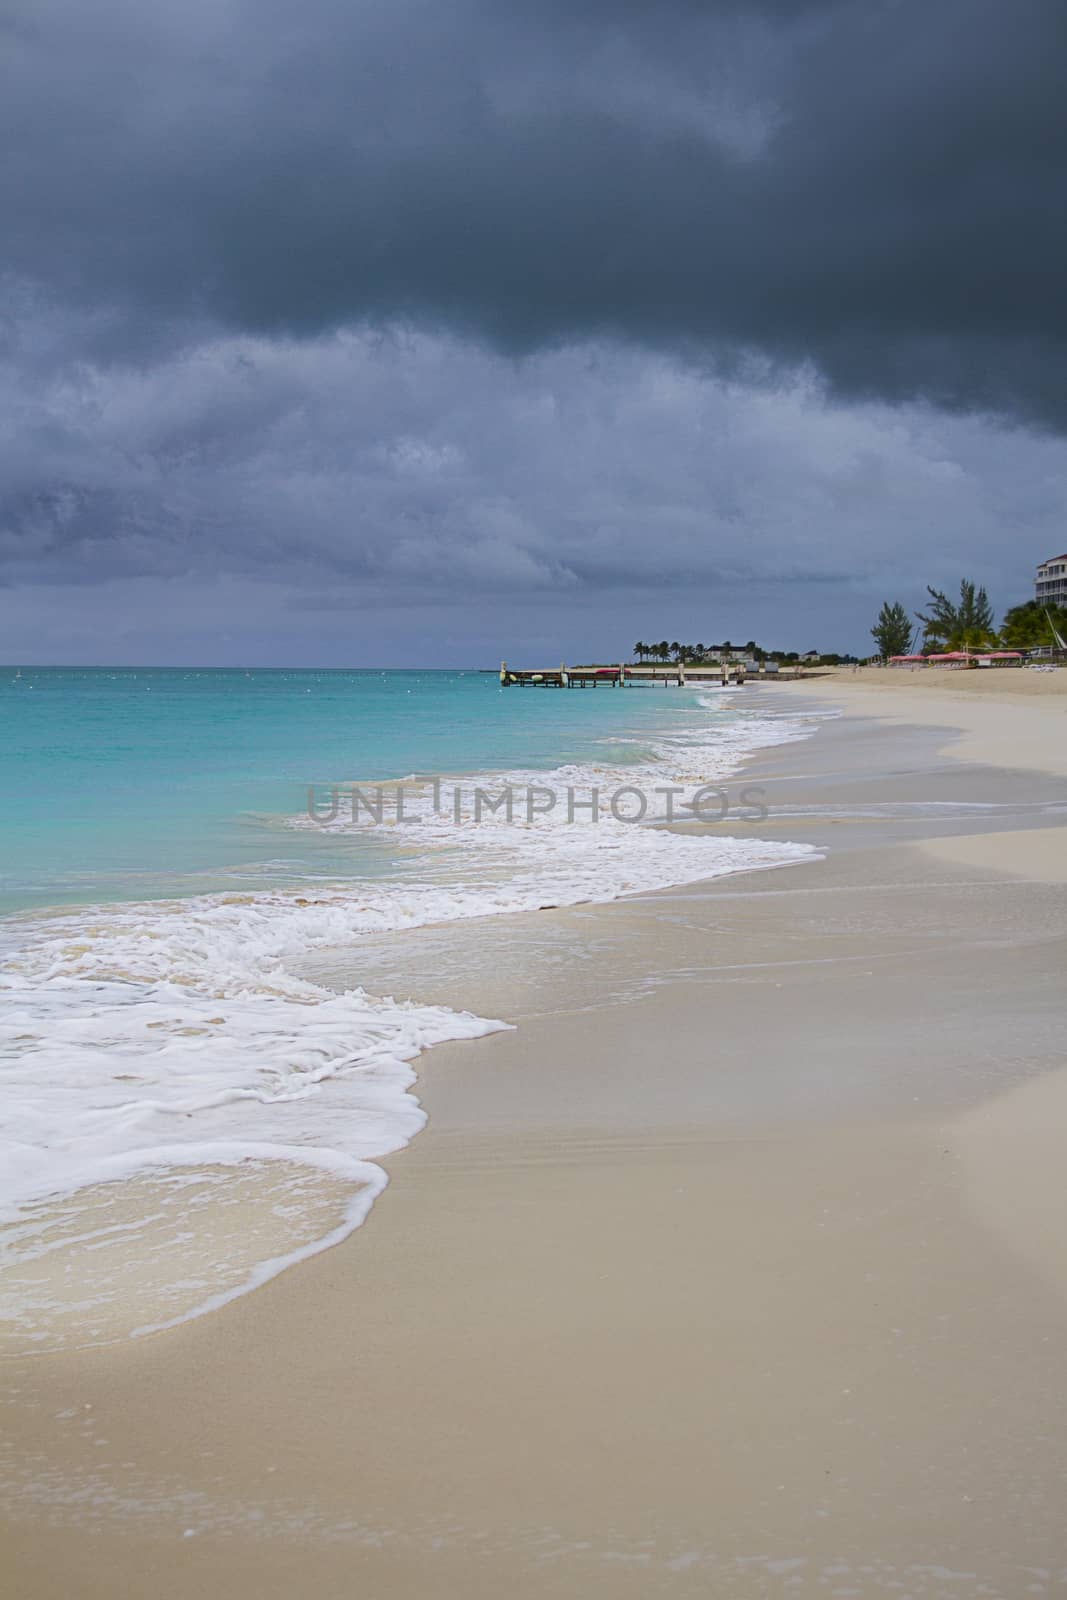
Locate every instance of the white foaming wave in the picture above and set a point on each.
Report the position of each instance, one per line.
(144, 1040)
(685, 760)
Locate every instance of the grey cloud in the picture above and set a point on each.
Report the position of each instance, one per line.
(424, 467)
(545, 323)
(872, 188)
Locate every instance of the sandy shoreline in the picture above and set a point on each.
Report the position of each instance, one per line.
(1006, 716)
(718, 1276)
(986, 684)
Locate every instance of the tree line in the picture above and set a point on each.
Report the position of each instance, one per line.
(673, 650)
(967, 624)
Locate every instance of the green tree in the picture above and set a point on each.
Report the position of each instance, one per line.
(892, 632)
(967, 626)
(1029, 625)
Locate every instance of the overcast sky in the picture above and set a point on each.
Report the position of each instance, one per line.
(357, 332)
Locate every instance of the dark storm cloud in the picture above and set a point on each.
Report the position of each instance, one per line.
(874, 187)
(529, 326)
(360, 466)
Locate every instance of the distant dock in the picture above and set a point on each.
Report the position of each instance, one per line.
(642, 674)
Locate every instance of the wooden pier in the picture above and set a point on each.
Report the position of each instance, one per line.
(640, 674)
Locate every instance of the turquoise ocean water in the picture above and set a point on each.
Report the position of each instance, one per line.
(134, 783)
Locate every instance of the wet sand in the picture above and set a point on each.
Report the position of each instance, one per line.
(734, 1270)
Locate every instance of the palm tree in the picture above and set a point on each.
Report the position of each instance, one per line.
(640, 650)
(1033, 624)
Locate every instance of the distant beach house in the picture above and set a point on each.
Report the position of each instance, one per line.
(810, 655)
(1050, 587)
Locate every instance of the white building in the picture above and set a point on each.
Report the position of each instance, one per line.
(1051, 585)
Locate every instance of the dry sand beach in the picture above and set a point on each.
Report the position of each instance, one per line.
(735, 1270)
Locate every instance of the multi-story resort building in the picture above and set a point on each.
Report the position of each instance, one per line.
(1051, 585)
